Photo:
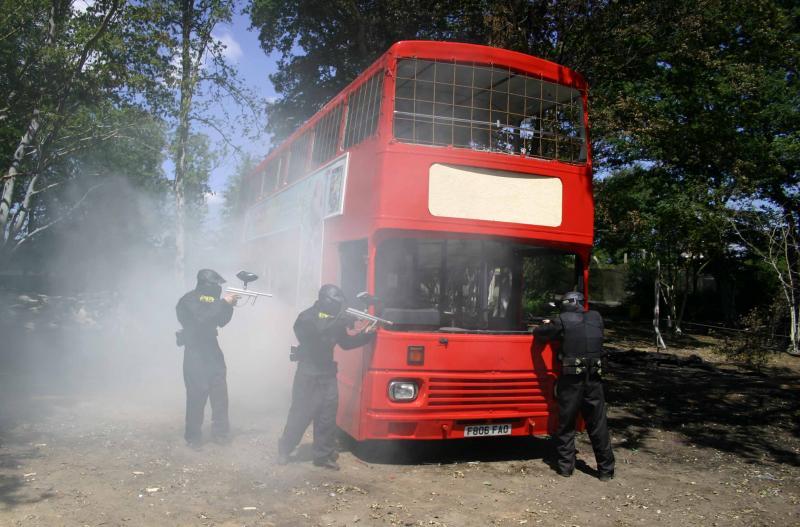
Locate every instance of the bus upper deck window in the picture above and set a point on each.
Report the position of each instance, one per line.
(487, 107)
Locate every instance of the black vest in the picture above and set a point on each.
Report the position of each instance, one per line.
(583, 334)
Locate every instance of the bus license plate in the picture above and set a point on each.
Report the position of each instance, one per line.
(499, 429)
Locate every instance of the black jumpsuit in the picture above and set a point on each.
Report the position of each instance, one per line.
(201, 313)
(582, 338)
(315, 393)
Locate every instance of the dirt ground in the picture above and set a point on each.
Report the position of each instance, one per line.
(697, 441)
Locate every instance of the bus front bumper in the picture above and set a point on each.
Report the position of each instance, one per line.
(389, 425)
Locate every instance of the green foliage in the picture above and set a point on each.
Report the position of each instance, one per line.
(754, 346)
(201, 159)
(654, 211)
(716, 102)
(232, 208)
(324, 46)
(545, 277)
(99, 91)
(79, 63)
(230, 232)
(109, 203)
(703, 127)
(79, 84)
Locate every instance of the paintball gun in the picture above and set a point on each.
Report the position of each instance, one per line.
(533, 320)
(363, 315)
(246, 277)
(372, 320)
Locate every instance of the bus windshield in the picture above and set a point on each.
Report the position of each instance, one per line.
(469, 285)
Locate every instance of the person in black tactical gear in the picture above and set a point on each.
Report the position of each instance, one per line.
(580, 385)
(200, 312)
(315, 394)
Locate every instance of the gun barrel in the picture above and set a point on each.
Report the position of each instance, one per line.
(246, 292)
(363, 315)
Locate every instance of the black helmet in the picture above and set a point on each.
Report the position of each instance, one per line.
(572, 301)
(330, 299)
(209, 276)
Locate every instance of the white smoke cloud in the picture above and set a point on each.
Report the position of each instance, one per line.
(214, 198)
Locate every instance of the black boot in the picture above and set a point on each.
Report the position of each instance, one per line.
(326, 463)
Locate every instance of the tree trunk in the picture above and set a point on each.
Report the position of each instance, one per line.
(692, 274)
(688, 274)
(11, 176)
(792, 256)
(794, 331)
(657, 309)
(791, 285)
(24, 208)
(187, 12)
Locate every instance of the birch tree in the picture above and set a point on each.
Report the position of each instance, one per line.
(773, 237)
(72, 72)
(204, 78)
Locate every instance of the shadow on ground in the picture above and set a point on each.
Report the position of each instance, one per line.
(753, 415)
(31, 382)
(14, 491)
(17, 449)
(449, 451)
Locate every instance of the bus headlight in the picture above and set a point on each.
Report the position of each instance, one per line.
(403, 391)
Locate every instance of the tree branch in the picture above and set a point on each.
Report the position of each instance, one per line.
(59, 219)
(222, 134)
(88, 47)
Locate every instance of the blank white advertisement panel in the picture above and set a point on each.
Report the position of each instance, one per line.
(494, 195)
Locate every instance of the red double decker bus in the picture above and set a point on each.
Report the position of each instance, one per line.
(452, 182)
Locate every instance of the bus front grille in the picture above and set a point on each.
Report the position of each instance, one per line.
(481, 392)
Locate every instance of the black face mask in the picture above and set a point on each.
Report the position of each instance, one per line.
(570, 307)
(208, 289)
(330, 306)
(330, 299)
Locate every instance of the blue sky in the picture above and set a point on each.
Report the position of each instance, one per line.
(254, 66)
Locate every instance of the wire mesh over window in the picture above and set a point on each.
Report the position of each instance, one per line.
(270, 174)
(488, 108)
(251, 189)
(298, 157)
(363, 110)
(326, 136)
(283, 172)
